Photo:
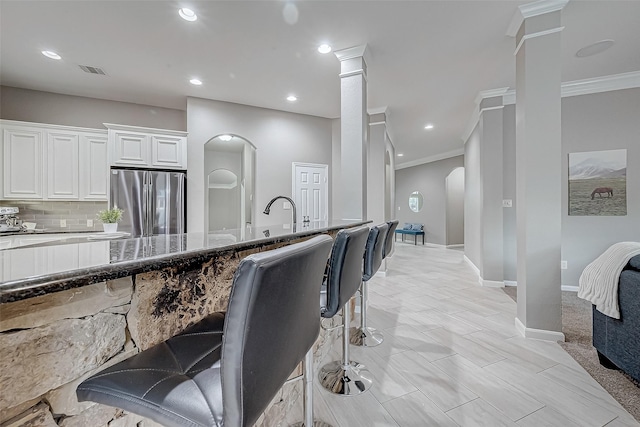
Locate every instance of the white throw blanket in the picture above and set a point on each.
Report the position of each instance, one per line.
(599, 280)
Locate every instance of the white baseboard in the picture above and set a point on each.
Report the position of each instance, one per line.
(461, 245)
(491, 283)
(569, 288)
(538, 334)
(472, 265)
(510, 283)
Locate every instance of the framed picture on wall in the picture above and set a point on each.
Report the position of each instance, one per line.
(598, 183)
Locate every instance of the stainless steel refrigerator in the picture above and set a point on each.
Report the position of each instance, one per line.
(153, 201)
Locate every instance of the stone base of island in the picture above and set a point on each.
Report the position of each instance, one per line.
(58, 329)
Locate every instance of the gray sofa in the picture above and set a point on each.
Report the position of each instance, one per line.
(618, 340)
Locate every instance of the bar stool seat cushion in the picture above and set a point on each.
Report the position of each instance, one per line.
(178, 378)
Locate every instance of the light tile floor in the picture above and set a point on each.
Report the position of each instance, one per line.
(452, 357)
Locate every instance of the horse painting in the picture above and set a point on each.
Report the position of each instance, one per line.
(602, 190)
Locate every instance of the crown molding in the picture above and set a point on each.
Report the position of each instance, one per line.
(430, 159)
(378, 110)
(573, 88)
(491, 93)
(589, 86)
(534, 35)
(601, 84)
(352, 52)
(533, 9)
(509, 97)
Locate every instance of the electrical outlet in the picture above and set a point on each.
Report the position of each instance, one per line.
(63, 223)
(286, 205)
(563, 265)
(89, 223)
(507, 203)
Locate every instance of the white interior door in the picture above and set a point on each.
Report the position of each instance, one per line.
(311, 191)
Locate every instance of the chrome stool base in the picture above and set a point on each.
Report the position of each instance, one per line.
(367, 337)
(351, 380)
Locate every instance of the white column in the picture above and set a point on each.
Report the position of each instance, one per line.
(376, 166)
(538, 170)
(353, 133)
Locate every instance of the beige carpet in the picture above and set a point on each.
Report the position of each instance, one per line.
(576, 326)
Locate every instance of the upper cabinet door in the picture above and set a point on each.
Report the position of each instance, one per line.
(62, 165)
(22, 162)
(166, 151)
(94, 167)
(130, 148)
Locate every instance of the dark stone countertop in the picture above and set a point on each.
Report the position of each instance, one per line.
(43, 268)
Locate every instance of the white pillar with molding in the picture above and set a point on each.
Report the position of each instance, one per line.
(353, 132)
(538, 169)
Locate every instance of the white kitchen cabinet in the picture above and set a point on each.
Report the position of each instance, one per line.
(52, 162)
(22, 162)
(62, 165)
(135, 146)
(94, 166)
(129, 148)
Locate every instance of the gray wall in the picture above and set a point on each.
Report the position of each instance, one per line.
(428, 179)
(52, 108)
(455, 207)
(603, 121)
(280, 138)
(473, 200)
(509, 192)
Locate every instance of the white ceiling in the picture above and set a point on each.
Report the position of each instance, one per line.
(428, 59)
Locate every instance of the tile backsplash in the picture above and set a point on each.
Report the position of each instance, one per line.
(47, 214)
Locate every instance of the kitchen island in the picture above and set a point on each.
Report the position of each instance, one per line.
(71, 307)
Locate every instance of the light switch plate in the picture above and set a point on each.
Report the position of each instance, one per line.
(63, 223)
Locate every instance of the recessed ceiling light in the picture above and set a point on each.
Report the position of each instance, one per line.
(324, 48)
(400, 154)
(292, 98)
(51, 54)
(594, 48)
(195, 82)
(429, 127)
(225, 137)
(187, 14)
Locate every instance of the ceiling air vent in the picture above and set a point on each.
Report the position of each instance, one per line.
(92, 70)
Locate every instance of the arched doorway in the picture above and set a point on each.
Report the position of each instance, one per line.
(229, 166)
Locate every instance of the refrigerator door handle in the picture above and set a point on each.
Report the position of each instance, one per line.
(145, 204)
(150, 204)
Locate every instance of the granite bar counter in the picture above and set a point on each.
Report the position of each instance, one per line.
(72, 306)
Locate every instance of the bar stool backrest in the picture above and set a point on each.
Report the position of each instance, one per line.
(344, 271)
(273, 319)
(374, 250)
(388, 243)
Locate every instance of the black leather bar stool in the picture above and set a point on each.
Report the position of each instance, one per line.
(388, 243)
(364, 335)
(225, 369)
(344, 273)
